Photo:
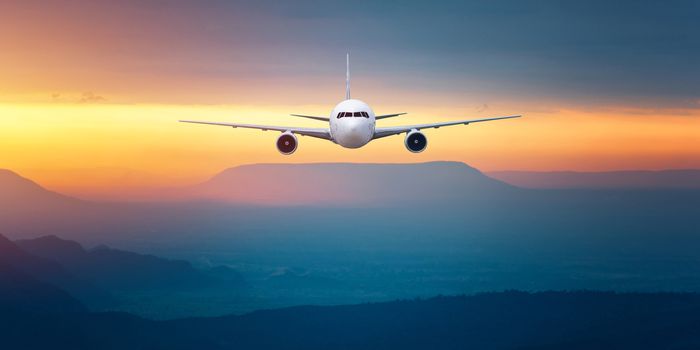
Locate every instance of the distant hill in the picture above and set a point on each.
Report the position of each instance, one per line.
(346, 184)
(46, 271)
(633, 179)
(27, 207)
(19, 192)
(114, 269)
(508, 320)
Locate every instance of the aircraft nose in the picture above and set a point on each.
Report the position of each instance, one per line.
(352, 127)
(353, 134)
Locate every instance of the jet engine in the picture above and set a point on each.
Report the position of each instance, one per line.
(287, 143)
(415, 141)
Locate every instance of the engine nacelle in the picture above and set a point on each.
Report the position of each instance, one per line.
(415, 141)
(287, 143)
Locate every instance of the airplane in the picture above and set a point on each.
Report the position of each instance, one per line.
(352, 124)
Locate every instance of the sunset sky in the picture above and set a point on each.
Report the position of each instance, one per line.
(91, 91)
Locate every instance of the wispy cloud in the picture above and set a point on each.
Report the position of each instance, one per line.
(82, 98)
(90, 97)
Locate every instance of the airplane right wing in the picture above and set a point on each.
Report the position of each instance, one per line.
(395, 130)
(384, 116)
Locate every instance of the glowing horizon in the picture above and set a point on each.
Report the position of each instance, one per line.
(68, 147)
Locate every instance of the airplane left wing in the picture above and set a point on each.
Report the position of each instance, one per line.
(323, 119)
(395, 130)
(313, 132)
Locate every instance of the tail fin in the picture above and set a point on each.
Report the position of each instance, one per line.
(347, 76)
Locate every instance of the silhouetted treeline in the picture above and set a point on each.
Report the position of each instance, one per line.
(507, 320)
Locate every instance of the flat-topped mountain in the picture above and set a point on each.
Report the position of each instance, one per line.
(346, 183)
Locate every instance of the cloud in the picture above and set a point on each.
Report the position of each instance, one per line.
(90, 97)
(85, 97)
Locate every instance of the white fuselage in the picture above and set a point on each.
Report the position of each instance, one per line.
(352, 123)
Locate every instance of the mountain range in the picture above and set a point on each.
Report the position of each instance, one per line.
(414, 230)
(352, 183)
(276, 206)
(422, 229)
(39, 315)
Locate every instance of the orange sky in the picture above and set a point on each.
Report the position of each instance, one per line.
(78, 147)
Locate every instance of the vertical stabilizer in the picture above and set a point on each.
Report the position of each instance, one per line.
(347, 76)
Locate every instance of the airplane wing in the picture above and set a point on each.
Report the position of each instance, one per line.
(395, 130)
(324, 119)
(384, 116)
(313, 132)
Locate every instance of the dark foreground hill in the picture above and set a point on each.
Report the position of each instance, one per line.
(20, 268)
(509, 320)
(49, 273)
(20, 291)
(115, 269)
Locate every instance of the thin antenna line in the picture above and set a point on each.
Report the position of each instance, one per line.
(347, 76)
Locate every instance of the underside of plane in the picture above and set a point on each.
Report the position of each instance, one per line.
(352, 124)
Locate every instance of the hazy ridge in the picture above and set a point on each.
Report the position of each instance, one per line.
(630, 179)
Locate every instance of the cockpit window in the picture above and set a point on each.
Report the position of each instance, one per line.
(353, 114)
